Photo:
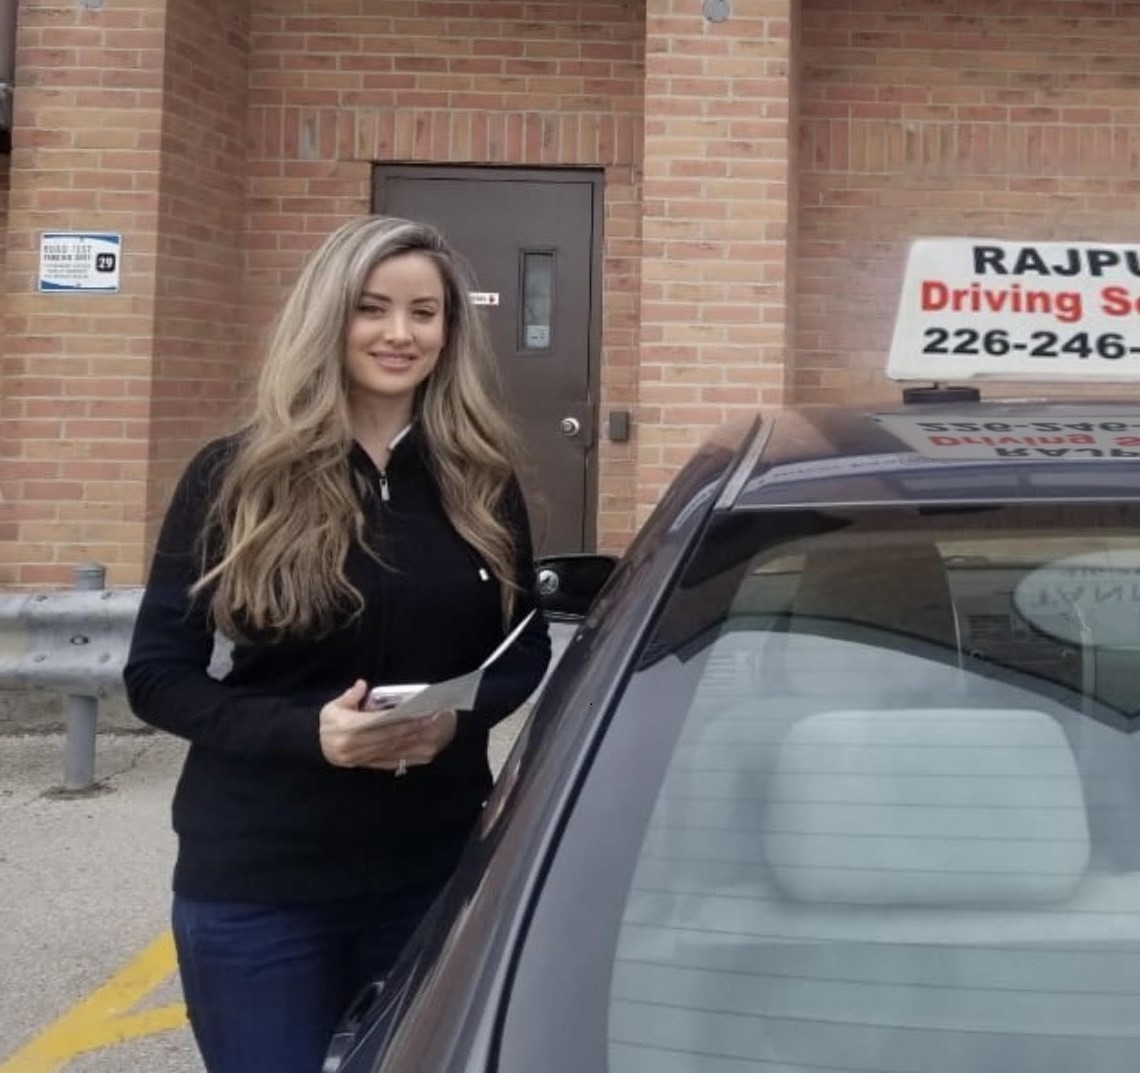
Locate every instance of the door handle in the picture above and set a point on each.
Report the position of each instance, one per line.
(570, 426)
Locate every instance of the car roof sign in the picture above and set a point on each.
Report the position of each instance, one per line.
(1017, 430)
(988, 308)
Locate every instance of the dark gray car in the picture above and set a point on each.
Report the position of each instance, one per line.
(837, 776)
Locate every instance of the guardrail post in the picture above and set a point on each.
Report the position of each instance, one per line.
(82, 710)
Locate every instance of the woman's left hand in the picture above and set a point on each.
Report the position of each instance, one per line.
(422, 743)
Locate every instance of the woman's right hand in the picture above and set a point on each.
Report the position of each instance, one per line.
(344, 741)
(348, 741)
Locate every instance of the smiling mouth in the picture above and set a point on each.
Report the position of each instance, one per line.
(388, 358)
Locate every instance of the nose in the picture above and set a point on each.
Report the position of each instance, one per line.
(397, 328)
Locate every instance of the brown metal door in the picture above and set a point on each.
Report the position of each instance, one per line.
(531, 240)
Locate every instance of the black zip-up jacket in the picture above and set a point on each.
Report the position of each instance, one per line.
(261, 816)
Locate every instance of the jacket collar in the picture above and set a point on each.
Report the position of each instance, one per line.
(401, 448)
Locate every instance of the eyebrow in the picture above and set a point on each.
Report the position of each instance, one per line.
(378, 297)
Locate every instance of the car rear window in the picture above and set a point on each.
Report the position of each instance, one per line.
(868, 804)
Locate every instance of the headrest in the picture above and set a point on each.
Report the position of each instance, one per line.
(937, 806)
(900, 586)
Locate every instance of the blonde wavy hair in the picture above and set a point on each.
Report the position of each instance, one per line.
(287, 509)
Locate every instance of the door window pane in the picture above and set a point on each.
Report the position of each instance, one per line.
(538, 299)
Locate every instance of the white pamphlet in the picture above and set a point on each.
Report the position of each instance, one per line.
(457, 694)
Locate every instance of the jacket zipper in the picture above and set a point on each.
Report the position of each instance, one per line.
(384, 493)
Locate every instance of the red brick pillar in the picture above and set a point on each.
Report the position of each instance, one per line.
(718, 215)
(129, 119)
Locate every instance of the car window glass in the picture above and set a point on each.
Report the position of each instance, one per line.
(868, 805)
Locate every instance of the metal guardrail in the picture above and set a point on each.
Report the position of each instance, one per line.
(74, 642)
(70, 641)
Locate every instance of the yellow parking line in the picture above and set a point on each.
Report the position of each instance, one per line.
(104, 1018)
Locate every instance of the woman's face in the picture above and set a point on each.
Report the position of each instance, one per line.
(397, 330)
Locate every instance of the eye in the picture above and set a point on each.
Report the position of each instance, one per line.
(424, 314)
(369, 309)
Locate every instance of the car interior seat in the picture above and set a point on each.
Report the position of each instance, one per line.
(899, 586)
(930, 807)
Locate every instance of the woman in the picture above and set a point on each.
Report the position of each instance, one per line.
(364, 527)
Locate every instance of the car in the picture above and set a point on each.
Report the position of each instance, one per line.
(838, 772)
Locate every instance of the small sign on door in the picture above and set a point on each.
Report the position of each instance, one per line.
(484, 298)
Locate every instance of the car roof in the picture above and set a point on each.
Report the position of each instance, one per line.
(940, 452)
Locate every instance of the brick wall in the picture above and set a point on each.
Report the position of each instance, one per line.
(714, 314)
(75, 368)
(1018, 119)
(129, 119)
(337, 86)
(201, 356)
(225, 145)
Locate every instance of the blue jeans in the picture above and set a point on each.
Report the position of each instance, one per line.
(265, 985)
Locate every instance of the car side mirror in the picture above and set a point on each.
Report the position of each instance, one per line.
(569, 584)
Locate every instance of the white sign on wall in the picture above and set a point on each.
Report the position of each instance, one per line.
(85, 261)
(1031, 310)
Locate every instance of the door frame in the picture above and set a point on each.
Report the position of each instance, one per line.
(595, 177)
